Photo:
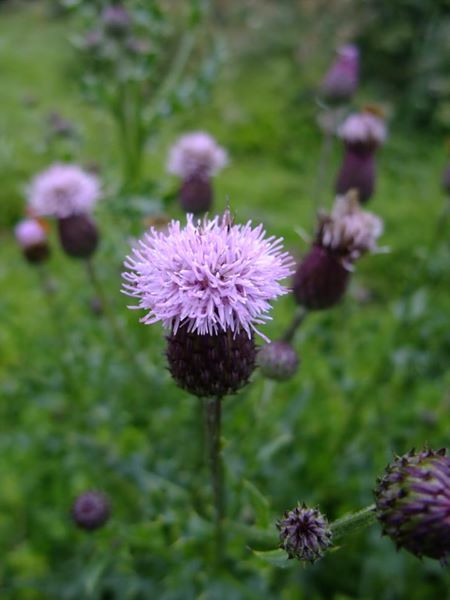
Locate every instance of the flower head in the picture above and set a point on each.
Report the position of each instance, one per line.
(364, 128)
(413, 503)
(196, 152)
(349, 231)
(90, 510)
(210, 276)
(304, 533)
(63, 190)
(29, 232)
(341, 81)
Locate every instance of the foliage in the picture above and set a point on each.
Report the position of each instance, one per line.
(373, 380)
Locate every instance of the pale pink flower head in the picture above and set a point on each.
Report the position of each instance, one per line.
(350, 231)
(29, 233)
(364, 128)
(63, 190)
(196, 152)
(209, 276)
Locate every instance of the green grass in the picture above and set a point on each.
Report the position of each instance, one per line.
(374, 377)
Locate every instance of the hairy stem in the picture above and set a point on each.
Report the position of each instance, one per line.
(213, 415)
(353, 522)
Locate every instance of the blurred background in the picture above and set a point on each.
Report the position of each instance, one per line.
(374, 377)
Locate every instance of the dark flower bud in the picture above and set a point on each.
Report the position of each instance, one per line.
(358, 172)
(278, 360)
(78, 235)
(320, 280)
(211, 365)
(304, 533)
(446, 180)
(413, 503)
(91, 510)
(196, 193)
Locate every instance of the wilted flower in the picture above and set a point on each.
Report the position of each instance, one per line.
(195, 158)
(278, 360)
(63, 190)
(341, 81)
(344, 236)
(304, 533)
(91, 510)
(32, 238)
(210, 283)
(362, 133)
(413, 503)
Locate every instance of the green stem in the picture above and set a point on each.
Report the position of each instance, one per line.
(213, 423)
(298, 319)
(353, 522)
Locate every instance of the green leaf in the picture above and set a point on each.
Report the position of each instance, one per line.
(276, 558)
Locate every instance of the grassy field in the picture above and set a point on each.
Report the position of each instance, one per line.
(74, 415)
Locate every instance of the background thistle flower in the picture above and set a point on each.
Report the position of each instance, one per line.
(343, 237)
(413, 503)
(304, 533)
(362, 134)
(278, 360)
(341, 81)
(91, 510)
(195, 158)
(78, 235)
(32, 238)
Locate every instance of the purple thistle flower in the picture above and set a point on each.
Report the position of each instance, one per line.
(413, 503)
(211, 276)
(63, 190)
(278, 360)
(343, 237)
(32, 238)
(91, 510)
(304, 533)
(341, 81)
(116, 19)
(446, 179)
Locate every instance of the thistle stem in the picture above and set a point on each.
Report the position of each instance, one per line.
(353, 522)
(213, 414)
(298, 319)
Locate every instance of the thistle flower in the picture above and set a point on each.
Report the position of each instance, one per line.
(195, 158)
(63, 190)
(304, 533)
(116, 19)
(78, 235)
(413, 503)
(209, 276)
(32, 238)
(341, 81)
(343, 237)
(212, 280)
(362, 133)
(91, 510)
(278, 360)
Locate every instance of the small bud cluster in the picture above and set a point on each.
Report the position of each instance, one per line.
(304, 533)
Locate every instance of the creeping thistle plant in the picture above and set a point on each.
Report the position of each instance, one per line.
(144, 61)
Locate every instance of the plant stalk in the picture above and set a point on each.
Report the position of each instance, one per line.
(353, 522)
(213, 414)
(298, 319)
